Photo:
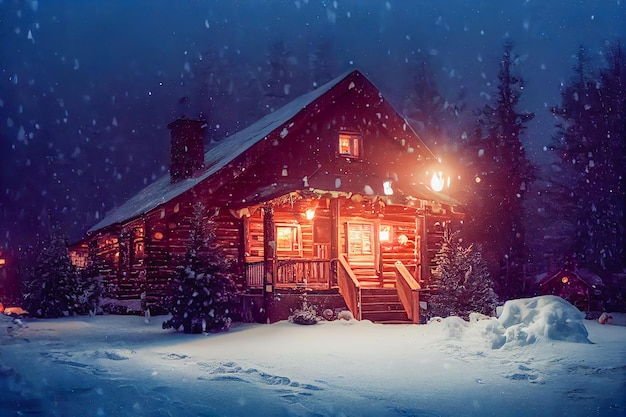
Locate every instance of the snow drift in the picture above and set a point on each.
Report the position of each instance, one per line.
(547, 317)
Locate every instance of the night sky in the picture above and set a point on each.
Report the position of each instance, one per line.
(87, 87)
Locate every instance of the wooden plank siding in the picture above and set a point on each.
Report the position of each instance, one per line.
(141, 258)
(316, 241)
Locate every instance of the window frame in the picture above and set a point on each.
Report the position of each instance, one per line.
(295, 247)
(354, 150)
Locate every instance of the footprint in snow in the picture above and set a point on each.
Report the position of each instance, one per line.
(175, 356)
(522, 377)
(229, 371)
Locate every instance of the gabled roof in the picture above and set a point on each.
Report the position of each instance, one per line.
(226, 151)
(584, 275)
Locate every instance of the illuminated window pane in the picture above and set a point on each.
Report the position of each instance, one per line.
(350, 144)
(385, 233)
(288, 239)
(360, 238)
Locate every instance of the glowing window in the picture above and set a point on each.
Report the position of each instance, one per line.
(78, 259)
(350, 144)
(360, 239)
(288, 238)
(385, 233)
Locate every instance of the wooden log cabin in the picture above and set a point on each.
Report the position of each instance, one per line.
(329, 195)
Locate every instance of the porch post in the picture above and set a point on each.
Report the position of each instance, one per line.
(334, 239)
(269, 257)
(424, 260)
(244, 248)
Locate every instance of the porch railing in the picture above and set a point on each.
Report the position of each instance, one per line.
(408, 291)
(349, 286)
(303, 272)
(292, 272)
(254, 274)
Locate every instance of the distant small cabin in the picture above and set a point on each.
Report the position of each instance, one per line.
(334, 195)
(580, 287)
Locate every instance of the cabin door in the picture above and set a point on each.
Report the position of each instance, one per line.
(361, 243)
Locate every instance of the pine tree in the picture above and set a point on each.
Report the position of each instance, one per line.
(462, 280)
(606, 221)
(501, 174)
(92, 282)
(424, 106)
(54, 289)
(322, 63)
(203, 287)
(590, 144)
(282, 81)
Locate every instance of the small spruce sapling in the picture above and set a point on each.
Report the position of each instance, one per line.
(463, 282)
(203, 288)
(306, 314)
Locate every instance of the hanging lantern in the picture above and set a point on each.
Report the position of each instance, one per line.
(437, 182)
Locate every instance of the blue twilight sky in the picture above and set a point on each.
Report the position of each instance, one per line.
(88, 86)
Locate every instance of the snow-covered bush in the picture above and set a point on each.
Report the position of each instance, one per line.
(55, 289)
(93, 289)
(305, 314)
(203, 290)
(462, 279)
(345, 315)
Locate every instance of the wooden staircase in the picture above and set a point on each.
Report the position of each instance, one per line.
(380, 302)
(368, 277)
(382, 305)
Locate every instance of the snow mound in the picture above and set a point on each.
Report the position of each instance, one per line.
(530, 320)
(454, 327)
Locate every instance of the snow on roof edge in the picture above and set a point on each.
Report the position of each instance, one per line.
(162, 190)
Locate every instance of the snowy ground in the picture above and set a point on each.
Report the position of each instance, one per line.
(543, 363)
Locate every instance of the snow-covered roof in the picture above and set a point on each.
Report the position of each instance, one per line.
(226, 151)
(584, 275)
(163, 190)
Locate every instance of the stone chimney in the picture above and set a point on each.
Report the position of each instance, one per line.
(187, 139)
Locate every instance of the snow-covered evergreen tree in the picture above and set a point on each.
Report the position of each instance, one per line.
(93, 284)
(54, 289)
(462, 280)
(203, 287)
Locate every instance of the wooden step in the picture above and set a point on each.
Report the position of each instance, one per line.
(364, 271)
(382, 305)
(395, 316)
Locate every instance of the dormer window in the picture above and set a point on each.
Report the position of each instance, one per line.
(350, 144)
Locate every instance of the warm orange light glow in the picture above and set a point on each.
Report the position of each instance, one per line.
(385, 233)
(350, 144)
(157, 235)
(437, 182)
(387, 188)
(2, 261)
(565, 280)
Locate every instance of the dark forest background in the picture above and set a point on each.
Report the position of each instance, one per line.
(524, 102)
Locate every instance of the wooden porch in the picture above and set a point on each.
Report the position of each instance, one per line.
(375, 254)
(368, 295)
